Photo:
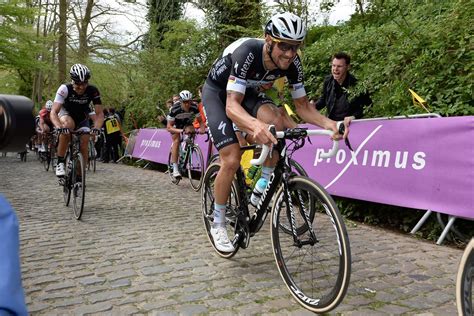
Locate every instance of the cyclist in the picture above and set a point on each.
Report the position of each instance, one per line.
(180, 119)
(230, 95)
(44, 125)
(71, 111)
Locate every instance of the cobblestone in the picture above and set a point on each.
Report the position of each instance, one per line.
(141, 249)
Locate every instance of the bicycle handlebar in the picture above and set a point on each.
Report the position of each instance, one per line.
(288, 133)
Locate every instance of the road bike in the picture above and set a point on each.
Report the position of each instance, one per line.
(48, 157)
(190, 161)
(464, 280)
(92, 161)
(309, 238)
(74, 182)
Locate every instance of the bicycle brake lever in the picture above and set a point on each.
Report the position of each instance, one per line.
(341, 130)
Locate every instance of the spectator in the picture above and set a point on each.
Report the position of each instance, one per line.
(113, 136)
(162, 117)
(336, 96)
(196, 123)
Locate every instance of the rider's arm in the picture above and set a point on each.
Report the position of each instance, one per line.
(61, 96)
(54, 114)
(99, 116)
(310, 115)
(245, 121)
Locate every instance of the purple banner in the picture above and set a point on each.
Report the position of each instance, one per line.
(422, 163)
(154, 145)
(425, 163)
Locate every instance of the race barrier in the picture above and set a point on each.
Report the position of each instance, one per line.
(421, 163)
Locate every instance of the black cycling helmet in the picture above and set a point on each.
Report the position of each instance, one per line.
(79, 73)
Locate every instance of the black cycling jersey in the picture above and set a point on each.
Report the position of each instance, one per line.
(241, 66)
(77, 105)
(179, 117)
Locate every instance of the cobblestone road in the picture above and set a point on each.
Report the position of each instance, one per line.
(140, 248)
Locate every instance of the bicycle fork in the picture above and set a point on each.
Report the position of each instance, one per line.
(290, 213)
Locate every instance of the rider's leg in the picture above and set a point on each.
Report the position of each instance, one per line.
(270, 114)
(175, 152)
(66, 122)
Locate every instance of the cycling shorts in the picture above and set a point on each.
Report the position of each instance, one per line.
(220, 126)
(78, 124)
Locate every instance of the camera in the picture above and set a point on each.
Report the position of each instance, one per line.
(17, 123)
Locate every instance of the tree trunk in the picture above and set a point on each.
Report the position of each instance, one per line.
(62, 42)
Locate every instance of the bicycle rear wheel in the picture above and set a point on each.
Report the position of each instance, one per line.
(207, 198)
(78, 187)
(195, 166)
(46, 159)
(464, 281)
(317, 272)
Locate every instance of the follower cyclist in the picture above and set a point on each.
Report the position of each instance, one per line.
(71, 112)
(231, 94)
(45, 125)
(179, 120)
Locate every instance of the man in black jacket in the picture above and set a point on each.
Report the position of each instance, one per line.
(336, 92)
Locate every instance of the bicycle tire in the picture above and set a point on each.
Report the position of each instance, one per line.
(78, 188)
(170, 171)
(207, 206)
(46, 160)
(67, 181)
(317, 275)
(297, 169)
(195, 167)
(464, 280)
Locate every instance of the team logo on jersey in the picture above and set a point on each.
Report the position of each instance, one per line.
(222, 127)
(270, 77)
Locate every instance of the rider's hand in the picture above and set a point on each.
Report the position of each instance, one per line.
(62, 130)
(262, 135)
(95, 131)
(347, 122)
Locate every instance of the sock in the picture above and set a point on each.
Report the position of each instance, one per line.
(175, 166)
(267, 172)
(219, 214)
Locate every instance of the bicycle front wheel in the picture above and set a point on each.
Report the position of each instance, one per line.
(67, 181)
(464, 281)
(195, 166)
(316, 269)
(78, 186)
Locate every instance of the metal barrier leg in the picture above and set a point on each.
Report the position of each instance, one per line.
(421, 222)
(446, 229)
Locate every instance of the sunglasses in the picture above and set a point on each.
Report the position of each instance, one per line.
(79, 83)
(284, 46)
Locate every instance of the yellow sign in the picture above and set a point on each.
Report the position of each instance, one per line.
(112, 125)
(418, 101)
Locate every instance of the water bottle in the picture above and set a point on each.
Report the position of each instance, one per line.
(252, 171)
(257, 191)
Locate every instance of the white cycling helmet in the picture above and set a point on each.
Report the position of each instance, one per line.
(79, 73)
(49, 105)
(286, 26)
(185, 95)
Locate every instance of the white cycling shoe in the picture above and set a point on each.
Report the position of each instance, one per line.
(176, 174)
(60, 171)
(221, 240)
